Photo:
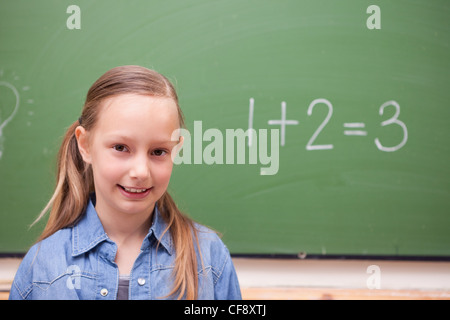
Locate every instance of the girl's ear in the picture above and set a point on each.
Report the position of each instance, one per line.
(83, 143)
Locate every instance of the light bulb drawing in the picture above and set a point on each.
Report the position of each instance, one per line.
(4, 121)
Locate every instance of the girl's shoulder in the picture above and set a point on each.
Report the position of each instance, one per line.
(59, 243)
(207, 236)
(50, 250)
(42, 264)
(212, 248)
(217, 264)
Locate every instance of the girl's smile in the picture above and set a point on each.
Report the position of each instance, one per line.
(134, 193)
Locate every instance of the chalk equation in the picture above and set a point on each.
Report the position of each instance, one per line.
(349, 128)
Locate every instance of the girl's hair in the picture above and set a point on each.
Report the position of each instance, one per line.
(75, 179)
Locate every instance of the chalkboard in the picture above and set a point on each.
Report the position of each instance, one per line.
(347, 103)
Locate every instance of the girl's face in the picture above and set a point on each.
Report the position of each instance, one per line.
(129, 150)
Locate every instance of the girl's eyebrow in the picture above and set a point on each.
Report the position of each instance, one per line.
(115, 136)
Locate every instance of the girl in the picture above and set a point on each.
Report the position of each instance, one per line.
(114, 231)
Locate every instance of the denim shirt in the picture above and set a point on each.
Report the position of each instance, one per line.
(78, 263)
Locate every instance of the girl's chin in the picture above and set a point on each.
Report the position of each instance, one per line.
(136, 208)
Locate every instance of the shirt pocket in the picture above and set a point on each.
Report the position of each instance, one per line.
(161, 281)
(71, 285)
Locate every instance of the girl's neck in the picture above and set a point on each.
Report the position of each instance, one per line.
(128, 233)
(122, 227)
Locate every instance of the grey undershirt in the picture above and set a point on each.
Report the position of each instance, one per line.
(124, 284)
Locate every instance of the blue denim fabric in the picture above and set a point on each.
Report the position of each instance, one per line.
(78, 263)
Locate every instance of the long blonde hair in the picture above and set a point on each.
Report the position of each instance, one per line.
(75, 179)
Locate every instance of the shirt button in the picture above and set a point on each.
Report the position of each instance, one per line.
(104, 292)
(141, 281)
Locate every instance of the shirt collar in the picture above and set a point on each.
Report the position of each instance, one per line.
(89, 232)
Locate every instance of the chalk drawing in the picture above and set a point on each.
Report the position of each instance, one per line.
(250, 121)
(4, 122)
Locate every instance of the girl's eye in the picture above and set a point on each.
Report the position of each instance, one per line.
(159, 152)
(120, 147)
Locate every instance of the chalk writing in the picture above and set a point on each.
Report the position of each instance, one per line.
(350, 128)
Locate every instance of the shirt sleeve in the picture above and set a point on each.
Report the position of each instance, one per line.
(14, 293)
(227, 285)
(22, 284)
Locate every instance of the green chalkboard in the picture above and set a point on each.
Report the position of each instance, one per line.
(358, 96)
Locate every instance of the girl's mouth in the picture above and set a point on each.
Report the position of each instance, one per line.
(134, 192)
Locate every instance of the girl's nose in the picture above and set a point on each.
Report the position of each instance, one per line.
(140, 168)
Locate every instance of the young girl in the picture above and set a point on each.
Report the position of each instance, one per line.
(114, 231)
